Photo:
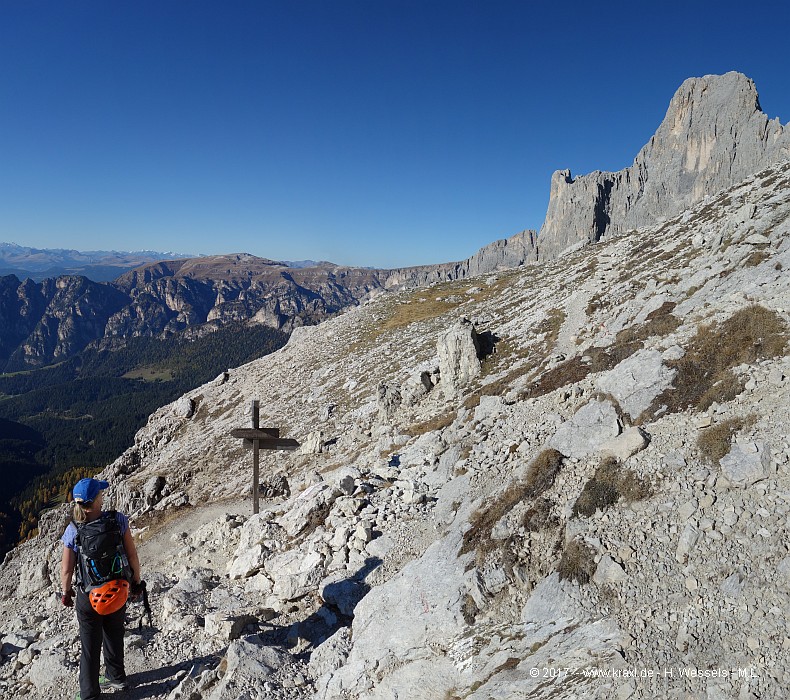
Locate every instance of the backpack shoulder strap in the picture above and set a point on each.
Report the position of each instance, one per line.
(77, 528)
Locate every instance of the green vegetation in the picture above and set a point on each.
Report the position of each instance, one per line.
(83, 413)
(45, 491)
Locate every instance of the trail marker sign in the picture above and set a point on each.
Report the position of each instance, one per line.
(261, 439)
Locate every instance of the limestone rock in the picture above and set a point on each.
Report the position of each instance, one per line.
(152, 489)
(332, 654)
(184, 407)
(313, 444)
(388, 401)
(686, 542)
(625, 445)
(458, 349)
(636, 381)
(295, 573)
(389, 642)
(34, 577)
(713, 135)
(49, 670)
(226, 626)
(608, 572)
(342, 593)
(248, 561)
(309, 508)
(248, 662)
(591, 426)
(746, 464)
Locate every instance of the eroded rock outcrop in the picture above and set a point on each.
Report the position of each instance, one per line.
(713, 136)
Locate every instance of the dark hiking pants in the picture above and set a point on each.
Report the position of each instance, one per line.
(97, 631)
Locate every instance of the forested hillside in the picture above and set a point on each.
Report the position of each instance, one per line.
(82, 413)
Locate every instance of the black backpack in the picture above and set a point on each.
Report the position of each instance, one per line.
(101, 556)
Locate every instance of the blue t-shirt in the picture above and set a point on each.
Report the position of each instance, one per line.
(69, 538)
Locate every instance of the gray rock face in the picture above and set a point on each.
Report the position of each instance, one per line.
(57, 318)
(52, 320)
(503, 254)
(458, 350)
(625, 445)
(636, 381)
(447, 521)
(295, 573)
(388, 401)
(332, 654)
(248, 659)
(591, 426)
(746, 464)
(395, 623)
(713, 135)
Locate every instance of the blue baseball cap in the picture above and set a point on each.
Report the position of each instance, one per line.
(87, 489)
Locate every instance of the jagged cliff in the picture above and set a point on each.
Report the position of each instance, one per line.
(713, 135)
(52, 320)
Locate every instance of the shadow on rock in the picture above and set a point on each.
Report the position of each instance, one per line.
(340, 596)
(158, 682)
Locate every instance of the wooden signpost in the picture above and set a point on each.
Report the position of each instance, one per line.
(261, 439)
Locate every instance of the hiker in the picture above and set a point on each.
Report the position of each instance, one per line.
(98, 545)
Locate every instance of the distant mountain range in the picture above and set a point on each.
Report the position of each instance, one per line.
(98, 265)
(53, 319)
(714, 135)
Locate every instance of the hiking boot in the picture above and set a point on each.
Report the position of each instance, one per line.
(114, 686)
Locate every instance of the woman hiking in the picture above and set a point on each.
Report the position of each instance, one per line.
(98, 546)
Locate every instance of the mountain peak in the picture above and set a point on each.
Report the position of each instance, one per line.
(713, 136)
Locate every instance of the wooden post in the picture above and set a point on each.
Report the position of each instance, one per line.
(256, 445)
(261, 439)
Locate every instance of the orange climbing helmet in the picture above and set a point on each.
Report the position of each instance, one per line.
(110, 597)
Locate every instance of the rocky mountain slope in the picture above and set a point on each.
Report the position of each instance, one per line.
(605, 492)
(566, 480)
(713, 135)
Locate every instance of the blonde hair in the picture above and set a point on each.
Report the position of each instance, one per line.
(80, 511)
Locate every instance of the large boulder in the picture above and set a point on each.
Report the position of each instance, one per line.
(625, 445)
(309, 509)
(50, 670)
(295, 573)
(746, 464)
(388, 401)
(397, 624)
(249, 662)
(585, 433)
(458, 349)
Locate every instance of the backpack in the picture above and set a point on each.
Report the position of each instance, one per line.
(101, 556)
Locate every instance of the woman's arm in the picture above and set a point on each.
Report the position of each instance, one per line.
(67, 563)
(131, 555)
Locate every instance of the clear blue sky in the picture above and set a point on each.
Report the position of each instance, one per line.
(371, 132)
